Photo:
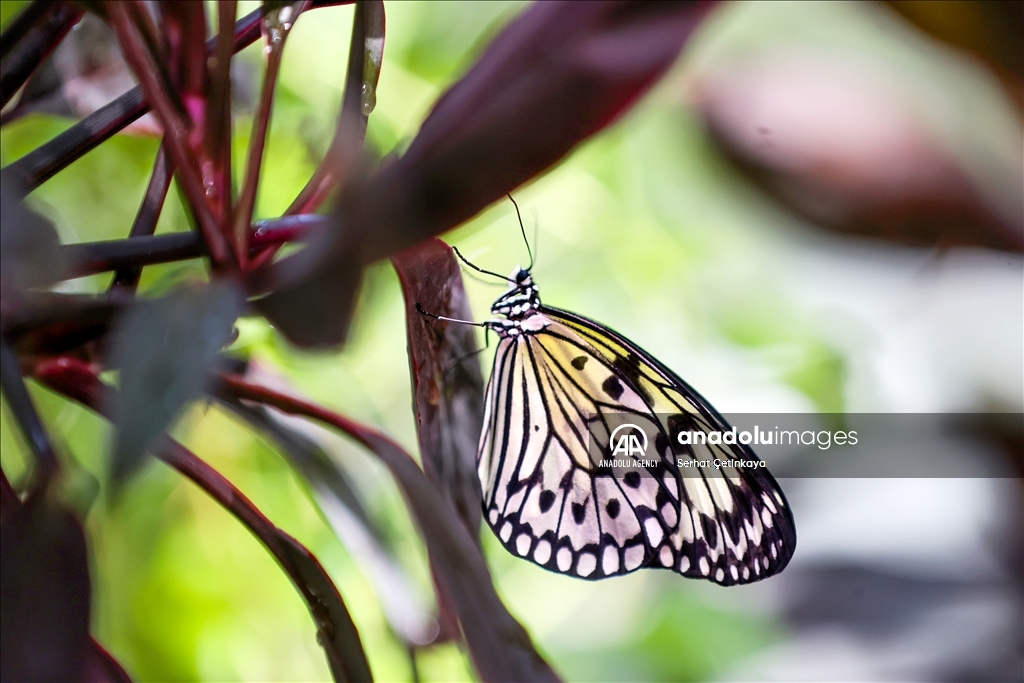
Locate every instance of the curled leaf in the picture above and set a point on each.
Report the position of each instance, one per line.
(446, 375)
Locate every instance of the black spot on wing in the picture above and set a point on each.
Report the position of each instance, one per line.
(613, 387)
(579, 361)
(547, 499)
(632, 479)
(680, 423)
(661, 445)
(578, 512)
(710, 530)
(629, 366)
(612, 508)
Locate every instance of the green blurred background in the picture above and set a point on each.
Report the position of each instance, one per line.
(645, 228)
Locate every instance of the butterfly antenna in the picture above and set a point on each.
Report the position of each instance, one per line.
(536, 232)
(523, 230)
(476, 267)
(419, 309)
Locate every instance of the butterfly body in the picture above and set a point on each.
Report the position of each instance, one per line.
(559, 385)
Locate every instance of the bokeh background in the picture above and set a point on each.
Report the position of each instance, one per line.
(782, 221)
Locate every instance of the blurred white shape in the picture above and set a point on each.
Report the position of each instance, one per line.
(936, 528)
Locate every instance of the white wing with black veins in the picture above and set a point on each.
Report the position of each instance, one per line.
(553, 388)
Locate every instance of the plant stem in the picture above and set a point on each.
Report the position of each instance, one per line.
(24, 411)
(149, 213)
(31, 37)
(88, 258)
(46, 161)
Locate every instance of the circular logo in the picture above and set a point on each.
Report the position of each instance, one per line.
(628, 443)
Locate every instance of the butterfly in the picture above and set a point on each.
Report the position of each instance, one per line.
(559, 384)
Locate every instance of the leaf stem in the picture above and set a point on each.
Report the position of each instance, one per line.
(30, 38)
(127, 278)
(24, 412)
(276, 27)
(46, 161)
(126, 255)
(154, 80)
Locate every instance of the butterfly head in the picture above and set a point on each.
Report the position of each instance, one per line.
(521, 300)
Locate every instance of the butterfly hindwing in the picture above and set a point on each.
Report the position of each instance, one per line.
(736, 525)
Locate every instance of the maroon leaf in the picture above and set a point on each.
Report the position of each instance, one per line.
(314, 311)
(217, 135)
(500, 647)
(448, 388)
(366, 52)
(445, 373)
(157, 84)
(44, 594)
(558, 74)
(49, 323)
(101, 667)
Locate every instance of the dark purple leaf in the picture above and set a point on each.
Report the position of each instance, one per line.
(165, 350)
(30, 253)
(46, 161)
(133, 253)
(278, 20)
(219, 122)
(176, 112)
(101, 667)
(446, 375)
(555, 76)
(44, 595)
(127, 278)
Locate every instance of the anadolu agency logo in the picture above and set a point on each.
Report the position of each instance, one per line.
(628, 445)
(628, 441)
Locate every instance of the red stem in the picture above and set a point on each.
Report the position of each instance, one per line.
(176, 127)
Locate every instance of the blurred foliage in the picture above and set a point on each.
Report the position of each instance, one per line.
(645, 228)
